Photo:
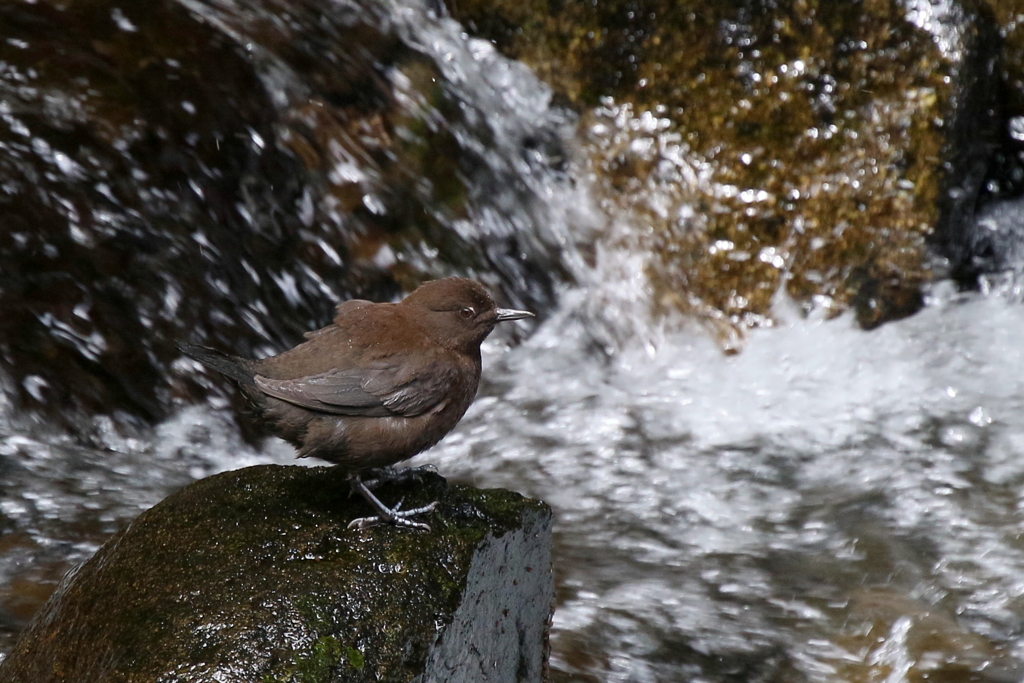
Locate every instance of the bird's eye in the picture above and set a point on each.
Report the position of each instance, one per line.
(467, 313)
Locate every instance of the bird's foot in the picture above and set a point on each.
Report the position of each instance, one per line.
(395, 515)
(388, 475)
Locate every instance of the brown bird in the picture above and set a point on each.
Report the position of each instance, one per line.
(381, 383)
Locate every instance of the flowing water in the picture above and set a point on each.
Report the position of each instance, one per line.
(829, 504)
(766, 508)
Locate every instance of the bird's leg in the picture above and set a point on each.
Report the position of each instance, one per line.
(387, 475)
(393, 515)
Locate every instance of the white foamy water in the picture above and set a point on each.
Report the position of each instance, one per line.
(748, 506)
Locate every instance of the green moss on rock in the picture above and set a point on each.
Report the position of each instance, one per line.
(254, 574)
(758, 147)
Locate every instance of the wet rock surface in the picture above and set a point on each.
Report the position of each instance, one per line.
(252, 575)
(759, 147)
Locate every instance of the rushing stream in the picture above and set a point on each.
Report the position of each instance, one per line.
(828, 504)
(816, 502)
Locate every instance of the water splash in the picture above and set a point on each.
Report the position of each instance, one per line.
(741, 504)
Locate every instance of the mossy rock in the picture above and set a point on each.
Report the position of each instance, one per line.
(812, 148)
(253, 575)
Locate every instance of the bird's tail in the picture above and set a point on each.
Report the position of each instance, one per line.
(234, 367)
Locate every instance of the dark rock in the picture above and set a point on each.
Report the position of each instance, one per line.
(1006, 172)
(252, 575)
(172, 169)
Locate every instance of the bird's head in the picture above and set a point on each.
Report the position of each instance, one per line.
(457, 313)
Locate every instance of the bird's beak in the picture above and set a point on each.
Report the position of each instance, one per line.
(501, 314)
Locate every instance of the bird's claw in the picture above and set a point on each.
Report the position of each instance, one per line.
(399, 518)
(395, 515)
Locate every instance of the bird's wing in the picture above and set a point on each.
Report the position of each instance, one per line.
(377, 391)
(411, 392)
